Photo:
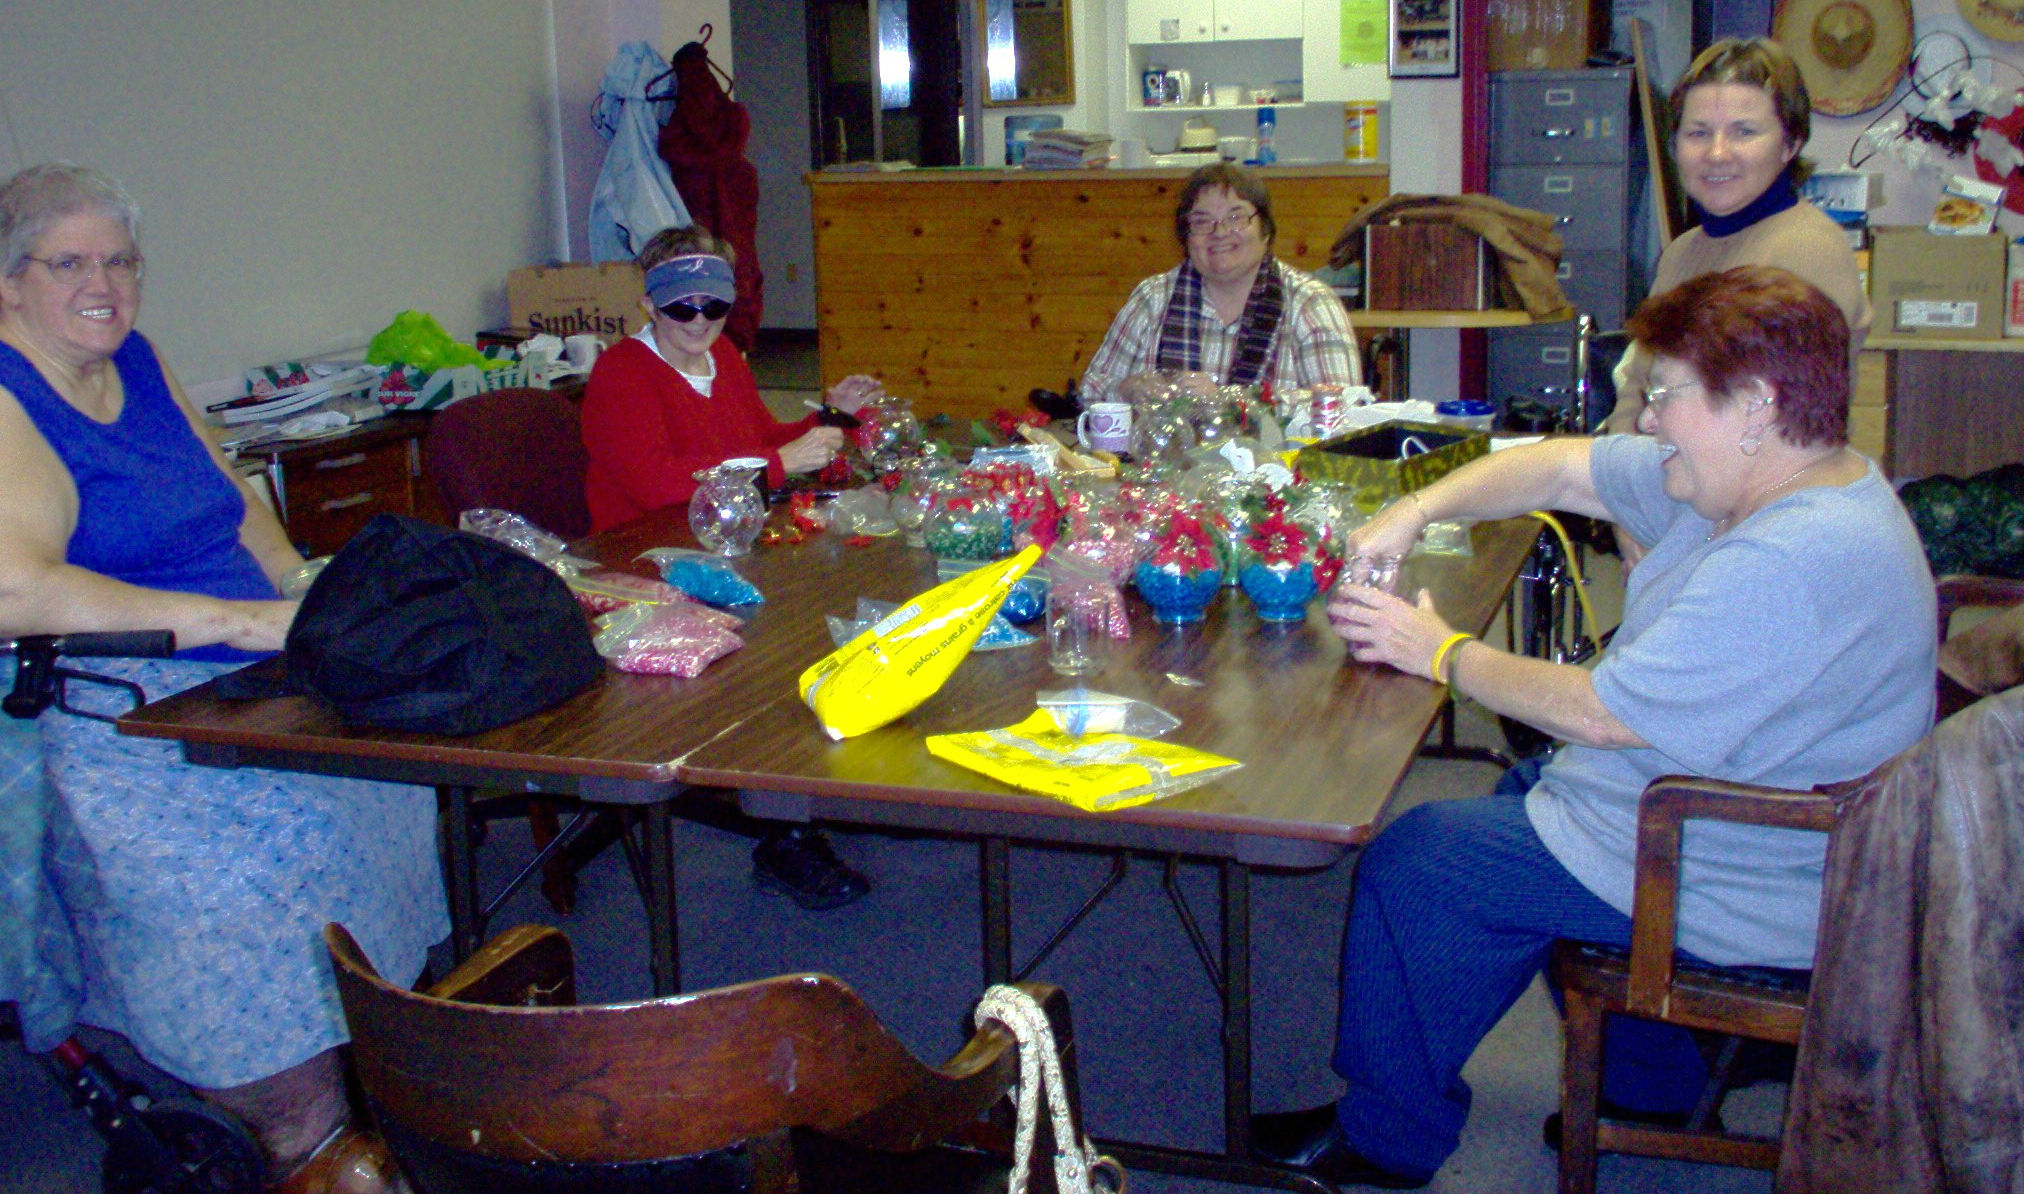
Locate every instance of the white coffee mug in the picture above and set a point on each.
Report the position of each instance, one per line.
(1105, 426)
(1131, 152)
(581, 350)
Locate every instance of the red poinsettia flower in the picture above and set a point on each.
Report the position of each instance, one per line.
(1185, 546)
(1277, 539)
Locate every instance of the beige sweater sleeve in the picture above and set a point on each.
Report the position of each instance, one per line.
(1801, 239)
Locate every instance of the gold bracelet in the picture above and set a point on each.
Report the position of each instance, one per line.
(1448, 646)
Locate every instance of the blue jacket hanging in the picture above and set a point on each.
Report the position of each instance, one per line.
(634, 196)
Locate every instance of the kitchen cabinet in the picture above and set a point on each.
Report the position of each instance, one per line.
(1167, 22)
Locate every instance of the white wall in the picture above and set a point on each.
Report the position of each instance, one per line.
(775, 33)
(1911, 197)
(306, 171)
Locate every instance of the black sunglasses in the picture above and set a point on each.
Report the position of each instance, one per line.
(712, 310)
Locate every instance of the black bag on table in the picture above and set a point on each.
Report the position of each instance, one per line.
(414, 626)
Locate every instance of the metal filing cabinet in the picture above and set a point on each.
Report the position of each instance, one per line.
(1567, 142)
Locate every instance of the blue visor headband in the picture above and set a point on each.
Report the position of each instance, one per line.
(699, 275)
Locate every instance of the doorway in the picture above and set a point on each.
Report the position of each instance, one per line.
(886, 81)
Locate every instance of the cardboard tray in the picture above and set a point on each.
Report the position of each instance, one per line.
(1368, 461)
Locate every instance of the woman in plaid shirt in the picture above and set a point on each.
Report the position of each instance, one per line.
(1229, 309)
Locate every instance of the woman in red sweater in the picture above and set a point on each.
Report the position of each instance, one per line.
(676, 397)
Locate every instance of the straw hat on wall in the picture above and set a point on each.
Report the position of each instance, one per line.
(2000, 20)
(1851, 52)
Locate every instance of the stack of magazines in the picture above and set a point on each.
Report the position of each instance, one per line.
(1066, 149)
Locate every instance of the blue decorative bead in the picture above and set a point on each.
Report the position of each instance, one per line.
(1279, 594)
(1177, 598)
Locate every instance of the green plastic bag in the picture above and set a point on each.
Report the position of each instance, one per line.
(415, 338)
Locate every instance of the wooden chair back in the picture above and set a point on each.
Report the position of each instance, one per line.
(518, 450)
(493, 1075)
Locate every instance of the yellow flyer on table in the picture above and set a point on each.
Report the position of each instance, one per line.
(1096, 772)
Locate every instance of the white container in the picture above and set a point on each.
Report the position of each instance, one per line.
(1228, 95)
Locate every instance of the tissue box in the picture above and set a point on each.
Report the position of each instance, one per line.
(1374, 464)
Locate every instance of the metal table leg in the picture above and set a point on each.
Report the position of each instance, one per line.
(994, 871)
(460, 877)
(662, 924)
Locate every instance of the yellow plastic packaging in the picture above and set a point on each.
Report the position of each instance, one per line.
(884, 673)
(1096, 772)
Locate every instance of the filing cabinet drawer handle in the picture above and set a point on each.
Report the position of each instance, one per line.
(1559, 97)
(342, 461)
(1556, 132)
(1564, 270)
(346, 503)
(1555, 356)
(1557, 184)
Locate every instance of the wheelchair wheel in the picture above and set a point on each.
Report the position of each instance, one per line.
(206, 1151)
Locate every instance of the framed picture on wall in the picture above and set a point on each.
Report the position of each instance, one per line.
(1425, 38)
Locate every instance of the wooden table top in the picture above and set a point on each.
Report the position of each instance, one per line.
(1324, 742)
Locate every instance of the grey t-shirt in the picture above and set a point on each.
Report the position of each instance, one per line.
(1796, 649)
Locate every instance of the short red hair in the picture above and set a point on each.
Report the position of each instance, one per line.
(1758, 322)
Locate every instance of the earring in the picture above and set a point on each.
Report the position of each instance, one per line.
(1749, 444)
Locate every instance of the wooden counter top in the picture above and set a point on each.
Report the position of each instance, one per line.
(971, 287)
(1270, 174)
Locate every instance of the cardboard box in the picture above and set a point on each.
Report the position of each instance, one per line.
(1854, 191)
(1426, 267)
(408, 387)
(1381, 463)
(1545, 34)
(1938, 287)
(564, 300)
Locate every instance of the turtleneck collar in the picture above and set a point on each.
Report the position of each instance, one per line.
(1781, 194)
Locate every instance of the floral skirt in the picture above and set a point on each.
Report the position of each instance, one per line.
(198, 895)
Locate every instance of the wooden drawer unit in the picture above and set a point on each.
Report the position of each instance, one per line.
(326, 489)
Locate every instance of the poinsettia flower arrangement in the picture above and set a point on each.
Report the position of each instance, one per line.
(1185, 544)
(1278, 541)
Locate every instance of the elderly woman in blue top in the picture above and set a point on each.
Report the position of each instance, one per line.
(1230, 309)
(197, 895)
(1780, 632)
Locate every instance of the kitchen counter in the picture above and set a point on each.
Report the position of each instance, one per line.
(964, 288)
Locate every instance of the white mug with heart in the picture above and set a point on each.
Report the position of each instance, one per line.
(1105, 426)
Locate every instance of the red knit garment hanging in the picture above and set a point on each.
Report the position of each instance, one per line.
(703, 144)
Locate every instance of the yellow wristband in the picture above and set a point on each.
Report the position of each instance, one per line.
(1441, 653)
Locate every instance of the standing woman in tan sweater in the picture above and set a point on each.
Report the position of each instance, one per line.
(1740, 116)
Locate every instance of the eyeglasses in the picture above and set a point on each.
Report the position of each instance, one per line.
(713, 310)
(75, 269)
(1657, 396)
(1204, 225)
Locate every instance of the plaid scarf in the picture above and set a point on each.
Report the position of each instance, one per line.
(1180, 339)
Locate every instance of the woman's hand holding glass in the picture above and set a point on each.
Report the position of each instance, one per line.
(1381, 628)
(812, 451)
(853, 392)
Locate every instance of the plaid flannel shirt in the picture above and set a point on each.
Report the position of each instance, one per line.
(1314, 343)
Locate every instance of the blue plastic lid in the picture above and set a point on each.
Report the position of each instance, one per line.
(1465, 408)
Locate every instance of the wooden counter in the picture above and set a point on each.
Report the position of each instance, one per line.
(964, 289)
(1939, 405)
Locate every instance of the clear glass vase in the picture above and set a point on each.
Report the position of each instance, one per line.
(728, 511)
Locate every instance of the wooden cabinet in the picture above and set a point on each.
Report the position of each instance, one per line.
(964, 290)
(326, 489)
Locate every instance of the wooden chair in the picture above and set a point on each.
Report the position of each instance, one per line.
(1651, 982)
(518, 450)
(492, 1081)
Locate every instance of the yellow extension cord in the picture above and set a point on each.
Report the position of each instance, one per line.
(1573, 566)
